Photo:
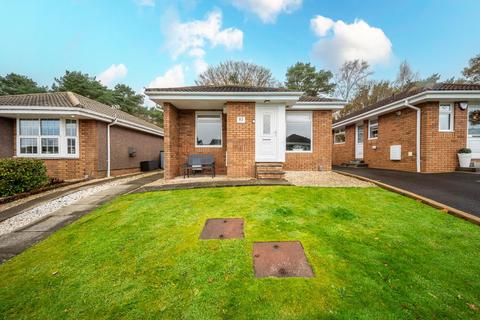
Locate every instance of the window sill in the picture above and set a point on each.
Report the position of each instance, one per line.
(298, 151)
(447, 131)
(45, 157)
(339, 143)
(373, 138)
(216, 147)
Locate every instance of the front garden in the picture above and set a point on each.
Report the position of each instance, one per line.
(374, 255)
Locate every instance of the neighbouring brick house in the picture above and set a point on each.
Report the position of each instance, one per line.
(73, 135)
(419, 130)
(250, 131)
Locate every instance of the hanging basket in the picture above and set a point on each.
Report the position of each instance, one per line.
(475, 117)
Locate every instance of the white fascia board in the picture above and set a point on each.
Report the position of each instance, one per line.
(69, 111)
(318, 106)
(415, 99)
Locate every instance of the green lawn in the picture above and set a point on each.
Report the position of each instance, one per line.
(375, 254)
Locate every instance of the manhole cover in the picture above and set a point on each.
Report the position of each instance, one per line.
(223, 228)
(280, 259)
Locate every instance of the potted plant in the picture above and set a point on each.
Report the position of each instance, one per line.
(464, 157)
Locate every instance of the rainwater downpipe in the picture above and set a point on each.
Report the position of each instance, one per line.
(418, 132)
(108, 145)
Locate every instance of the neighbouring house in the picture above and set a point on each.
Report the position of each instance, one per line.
(75, 136)
(250, 131)
(419, 130)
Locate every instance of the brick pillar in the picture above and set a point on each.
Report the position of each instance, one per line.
(240, 140)
(170, 120)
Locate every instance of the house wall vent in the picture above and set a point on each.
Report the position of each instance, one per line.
(396, 152)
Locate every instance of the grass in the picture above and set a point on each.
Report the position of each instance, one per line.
(375, 254)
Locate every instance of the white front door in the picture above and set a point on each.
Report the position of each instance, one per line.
(269, 137)
(359, 142)
(473, 141)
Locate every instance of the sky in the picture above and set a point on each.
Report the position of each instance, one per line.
(145, 43)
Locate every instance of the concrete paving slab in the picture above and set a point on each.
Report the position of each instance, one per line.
(94, 199)
(16, 242)
(113, 191)
(48, 224)
(75, 209)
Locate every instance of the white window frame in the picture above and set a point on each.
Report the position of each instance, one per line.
(338, 132)
(369, 127)
(452, 117)
(216, 113)
(62, 140)
(310, 115)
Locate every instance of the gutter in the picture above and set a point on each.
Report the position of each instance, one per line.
(114, 122)
(418, 136)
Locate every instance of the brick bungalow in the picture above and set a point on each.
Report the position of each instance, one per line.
(419, 130)
(75, 136)
(250, 131)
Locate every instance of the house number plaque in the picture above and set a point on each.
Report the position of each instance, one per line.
(241, 119)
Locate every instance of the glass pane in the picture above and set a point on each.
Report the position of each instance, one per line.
(445, 108)
(209, 130)
(50, 127)
(71, 128)
(49, 145)
(29, 127)
(360, 134)
(299, 132)
(474, 121)
(28, 146)
(71, 146)
(444, 121)
(267, 124)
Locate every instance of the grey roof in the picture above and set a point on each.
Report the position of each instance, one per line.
(229, 89)
(318, 99)
(70, 99)
(410, 93)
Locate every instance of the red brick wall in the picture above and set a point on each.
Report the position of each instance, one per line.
(186, 141)
(321, 156)
(439, 149)
(241, 139)
(147, 148)
(393, 129)
(7, 134)
(170, 120)
(344, 152)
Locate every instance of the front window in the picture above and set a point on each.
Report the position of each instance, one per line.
(208, 128)
(47, 138)
(339, 136)
(372, 129)
(445, 118)
(299, 131)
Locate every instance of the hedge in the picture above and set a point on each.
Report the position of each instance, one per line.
(19, 175)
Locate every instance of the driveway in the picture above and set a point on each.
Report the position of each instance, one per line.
(456, 189)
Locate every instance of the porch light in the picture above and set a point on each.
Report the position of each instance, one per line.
(266, 101)
(463, 105)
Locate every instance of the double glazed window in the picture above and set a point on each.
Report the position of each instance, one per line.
(47, 137)
(299, 131)
(208, 129)
(339, 136)
(372, 129)
(445, 117)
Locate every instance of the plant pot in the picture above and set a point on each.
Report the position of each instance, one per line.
(464, 159)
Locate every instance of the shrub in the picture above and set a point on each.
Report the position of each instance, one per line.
(465, 150)
(19, 175)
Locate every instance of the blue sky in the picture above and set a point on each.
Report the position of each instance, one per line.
(154, 42)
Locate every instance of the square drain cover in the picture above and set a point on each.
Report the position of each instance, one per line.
(223, 228)
(280, 259)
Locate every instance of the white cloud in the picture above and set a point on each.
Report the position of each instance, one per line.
(346, 42)
(173, 77)
(268, 10)
(320, 25)
(192, 37)
(146, 3)
(114, 73)
(200, 66)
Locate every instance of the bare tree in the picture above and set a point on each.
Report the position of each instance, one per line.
(350, 76)
(406, 77)
(237, 73)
